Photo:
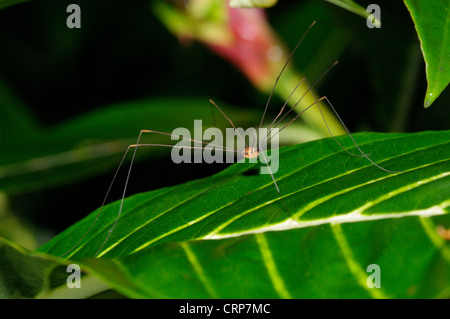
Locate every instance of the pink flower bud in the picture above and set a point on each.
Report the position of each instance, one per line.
(249, 45)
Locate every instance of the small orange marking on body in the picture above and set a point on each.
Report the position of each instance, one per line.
(250, 152)
(443, 233)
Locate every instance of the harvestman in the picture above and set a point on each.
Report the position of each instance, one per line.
(250, 152)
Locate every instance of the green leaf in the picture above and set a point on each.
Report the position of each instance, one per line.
(94, 143)
(356, 9)
(432, 22)
(16, 122)
(21, 275)
(326, 261)
(25, 274)
(252, 3)
(318, 184)
(336, 215)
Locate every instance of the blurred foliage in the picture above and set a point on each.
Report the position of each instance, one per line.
(252, 3)
(7, 3)
(52, 77)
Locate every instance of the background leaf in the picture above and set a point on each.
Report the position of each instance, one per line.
(80, 147)
(24, 274)
(16, 120)
(432, 22)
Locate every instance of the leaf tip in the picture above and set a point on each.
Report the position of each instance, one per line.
(429, 99)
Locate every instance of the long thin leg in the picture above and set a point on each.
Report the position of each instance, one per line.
(230, 121)
(304, 94)
(268, 167)
(135, 146)
(318, 105)
(354, 142)
(286, 102)
(261, 151)
(348, 132)
(279, 75)
(101, 207)
(129, 171)
(132, 161)
(184, 138)
(291, 121)
(328, 128)
(212, 114)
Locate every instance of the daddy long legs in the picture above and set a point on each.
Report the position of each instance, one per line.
(251, 151)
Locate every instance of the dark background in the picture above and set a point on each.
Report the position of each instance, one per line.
(122, 53)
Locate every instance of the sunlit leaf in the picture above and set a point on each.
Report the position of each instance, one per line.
(356, 9)
(233, 236)
(318, 184)
(252, 3)
(432, 21)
